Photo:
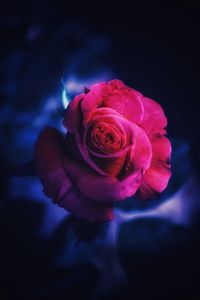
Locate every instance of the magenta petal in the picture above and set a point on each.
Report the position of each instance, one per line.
(126, 101)
(109, 116)
(142, 149)
(162, 149)
(111, 165)
(92, 100)
(155, 181)
(154, 119)
(84, 152)
(157, 176)
(102, 188)
(58, 185)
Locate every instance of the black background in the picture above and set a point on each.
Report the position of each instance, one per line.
(154, 48)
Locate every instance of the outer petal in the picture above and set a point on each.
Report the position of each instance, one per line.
(101, 188)
(157, 176)
(125, 100)
(114, 94)
(72, 116)
(142, 152)
(154, 119)
(93, 99)
(58, 185)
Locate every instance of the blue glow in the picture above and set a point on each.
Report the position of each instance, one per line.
(65, 99)
(75, 84)
(177, 209)
(53, 215)
(52, 249)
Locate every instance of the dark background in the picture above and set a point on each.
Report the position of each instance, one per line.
(151, 47)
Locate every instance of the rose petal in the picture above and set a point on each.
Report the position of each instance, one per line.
(72, 151)
(110, 165)
(117, 123)
(101, 188)
(58, 185)
(92, 100)
(72, 116)
(139, 155)
(96, 143)
(154, 119)
(157, 176)
(124, 100)
(161, 148)
(83, 150)
(114, 94)
(110, 116)
(142, 151)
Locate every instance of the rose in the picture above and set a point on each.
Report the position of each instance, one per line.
(115, 146)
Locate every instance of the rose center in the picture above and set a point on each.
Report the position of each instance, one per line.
(102, 137)
(105, 138)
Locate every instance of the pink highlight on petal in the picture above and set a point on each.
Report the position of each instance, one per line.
(154, 119)
(142, 150)
(92, 100)
(155, 181)
(126, 101)
(157, 176)
(162, 150)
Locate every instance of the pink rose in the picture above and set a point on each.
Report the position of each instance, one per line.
(115, 146)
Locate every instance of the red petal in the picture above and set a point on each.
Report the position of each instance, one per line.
(114, 94)
(101, 188)
(157, 176)
(111, 165)
(124, 100)
(142, 151)
(154, 119)
(92, 100)
(161, 148)
(58, 185)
